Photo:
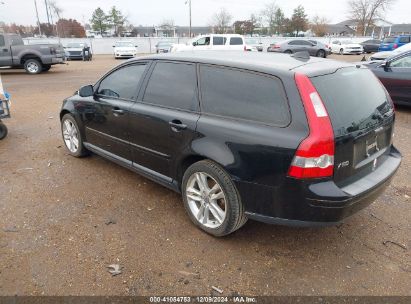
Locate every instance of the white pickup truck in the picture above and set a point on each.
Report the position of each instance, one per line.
(215, 42)
(34, 58)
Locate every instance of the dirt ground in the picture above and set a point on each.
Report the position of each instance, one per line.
(64, 220)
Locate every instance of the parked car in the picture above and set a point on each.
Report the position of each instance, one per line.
(395, 74)
(345, 47)
(33, 58)
(300, 45)
(254, 43)
(217, 42)
(392, 43)
(243, 135)
(371, 46)
(271, 46)
(164, 46)
(125, 49)
(381, 56)
(78, 50)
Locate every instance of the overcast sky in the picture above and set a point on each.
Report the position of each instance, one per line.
(152, 12)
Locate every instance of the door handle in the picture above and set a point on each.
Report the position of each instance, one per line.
(177, 125)
(118, 112)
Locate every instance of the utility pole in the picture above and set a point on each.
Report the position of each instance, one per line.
(189, 8)
(47, 11)
(38, 19)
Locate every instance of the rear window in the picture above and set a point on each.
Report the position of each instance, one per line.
(404, 39)
(236, 41)
(354, 99)
(219, 40)
(389, 40)
(245, 95)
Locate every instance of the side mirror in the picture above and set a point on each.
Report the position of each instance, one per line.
(195, 43)
(114, 46)
(385, 65)
(86, 91)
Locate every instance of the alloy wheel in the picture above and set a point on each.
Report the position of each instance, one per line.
(206, 200)
(33, 67)
(70, 136)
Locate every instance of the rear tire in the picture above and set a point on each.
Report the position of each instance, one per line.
(211, 192)
(3, 130)
(33, 66)
(321, 53)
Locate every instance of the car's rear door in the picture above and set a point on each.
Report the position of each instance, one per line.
(106, 115)
(164, 118)
(362, 117)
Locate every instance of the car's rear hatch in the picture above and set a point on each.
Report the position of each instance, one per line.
(362, 117)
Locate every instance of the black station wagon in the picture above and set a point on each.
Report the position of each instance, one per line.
(276, 138)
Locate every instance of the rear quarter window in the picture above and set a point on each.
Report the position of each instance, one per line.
(242, 94)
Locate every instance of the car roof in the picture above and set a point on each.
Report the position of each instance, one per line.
(262, 62)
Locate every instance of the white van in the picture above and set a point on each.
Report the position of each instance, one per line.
(215, 42)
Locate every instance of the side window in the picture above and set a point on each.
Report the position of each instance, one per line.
(173, 85)
(203, 41)
(245, 95)
(293, 42)
(236, 41)
(2, 42)
(219, 40)
(404, 39)
(122, 83)
(336, 42)
(404, 62)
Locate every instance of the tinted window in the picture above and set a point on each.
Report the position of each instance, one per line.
(173, 85)
(354, 108)
(203, 41)
(244, 95)
(236, 41)
(2, 42)
(404, 39)
(219, 40)
(123, 82)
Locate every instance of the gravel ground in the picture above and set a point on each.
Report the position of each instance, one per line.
(64, 220)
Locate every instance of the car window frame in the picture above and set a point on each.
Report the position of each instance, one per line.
(147, 78)
(148, 64)
(239, 119)
(231, 38)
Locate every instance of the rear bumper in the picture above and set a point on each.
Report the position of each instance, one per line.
(322, 203)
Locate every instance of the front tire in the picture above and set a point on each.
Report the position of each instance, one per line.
(3, 130)
(72, 136)
(341, 52)
(33, 66)
(211, 199)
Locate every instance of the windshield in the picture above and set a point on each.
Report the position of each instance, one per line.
(389, 40)
(346, 42)
(366, 95)
(75, 45)
(124, 44)
(164, 43)
(252, 41)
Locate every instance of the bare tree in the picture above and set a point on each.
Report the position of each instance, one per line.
(319, 25)
(269, 16)
(364, 12)
(221, 21)
(56, 10)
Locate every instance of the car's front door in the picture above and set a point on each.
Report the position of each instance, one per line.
(163, 120)
(106, 116)
(396, 77)
(202, 44)
(5, 53)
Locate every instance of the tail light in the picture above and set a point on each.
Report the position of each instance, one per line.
(276, 46)
(395, 46)
(315, 154)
